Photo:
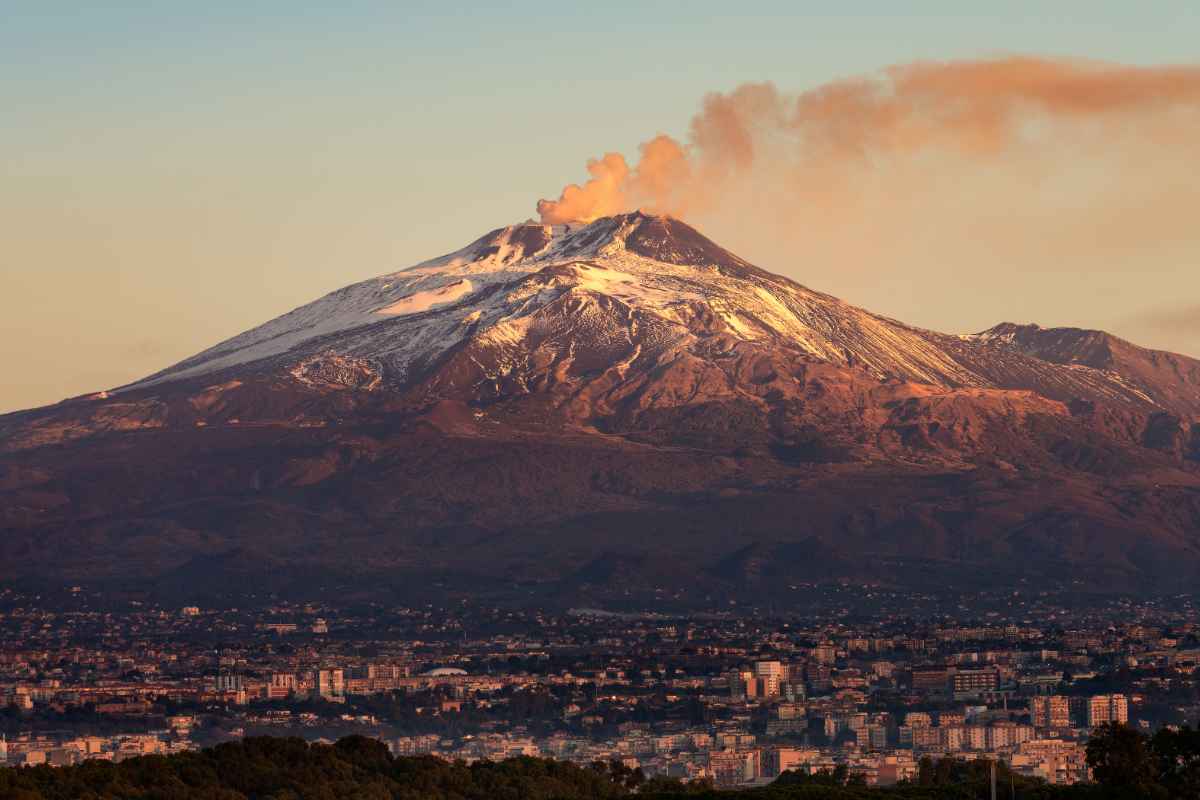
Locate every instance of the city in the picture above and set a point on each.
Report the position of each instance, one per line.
(732, 700)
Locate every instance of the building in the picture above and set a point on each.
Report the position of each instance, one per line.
(787, 717)
(181, 723)
(975, 682)
(926, 738)
(872, 737)
(331, 684)
(896, 768)
(1050, 711)
(952, 737)
(229, 683)
(779, 760)
(1104, 708)
(735, 740)
(1003, 735)
(825, 654)
(769, 676)
(281, 686)
(727, 768)
(413, 745)
(1052, 760)
(931, 679)
(742, 685)
(819, 677)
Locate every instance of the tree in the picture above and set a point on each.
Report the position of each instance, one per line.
(1122, 762)
(1177, 757)
(926, 772)
(662, 785)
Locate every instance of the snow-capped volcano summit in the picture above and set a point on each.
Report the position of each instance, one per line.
(632, 293)
(493, 289)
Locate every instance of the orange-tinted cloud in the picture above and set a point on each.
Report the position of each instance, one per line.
(758, 139)
(604, 194)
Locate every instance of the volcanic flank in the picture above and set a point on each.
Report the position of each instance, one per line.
(616, 412)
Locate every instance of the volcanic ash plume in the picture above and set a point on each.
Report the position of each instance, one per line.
(810, 153)
(662, 171)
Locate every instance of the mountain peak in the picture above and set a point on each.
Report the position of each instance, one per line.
(532, 305)
(416, 315)
(1093, 348)
(659, 238)
(673, 241)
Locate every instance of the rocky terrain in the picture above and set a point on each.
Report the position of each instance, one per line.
(621, 412)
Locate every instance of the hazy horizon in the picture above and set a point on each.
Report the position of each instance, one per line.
(177, 177)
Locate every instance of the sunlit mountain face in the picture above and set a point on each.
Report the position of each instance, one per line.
(619, 411)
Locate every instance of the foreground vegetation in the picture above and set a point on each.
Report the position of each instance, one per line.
(1126, 764)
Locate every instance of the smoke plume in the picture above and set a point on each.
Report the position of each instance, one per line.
(980, 110)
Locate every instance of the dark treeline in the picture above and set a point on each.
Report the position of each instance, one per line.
(1126, 763)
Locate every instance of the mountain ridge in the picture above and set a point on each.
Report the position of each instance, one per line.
(505, 255)
(627, 395)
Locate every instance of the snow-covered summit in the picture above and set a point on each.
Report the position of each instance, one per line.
(492, 289)
(629, 292)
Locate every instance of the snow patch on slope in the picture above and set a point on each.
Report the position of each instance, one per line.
(423, 301)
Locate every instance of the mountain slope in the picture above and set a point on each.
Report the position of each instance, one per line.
(1166, 380)
(661, 273)
(491, 291)
(584, 412)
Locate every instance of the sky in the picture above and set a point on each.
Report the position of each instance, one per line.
(172, 174)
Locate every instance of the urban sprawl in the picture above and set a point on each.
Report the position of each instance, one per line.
(736, 697)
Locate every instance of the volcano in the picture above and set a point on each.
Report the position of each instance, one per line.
(618, 412)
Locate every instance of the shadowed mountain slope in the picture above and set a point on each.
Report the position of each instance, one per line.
(618, 412)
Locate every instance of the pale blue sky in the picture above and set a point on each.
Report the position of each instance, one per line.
(171, 174)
